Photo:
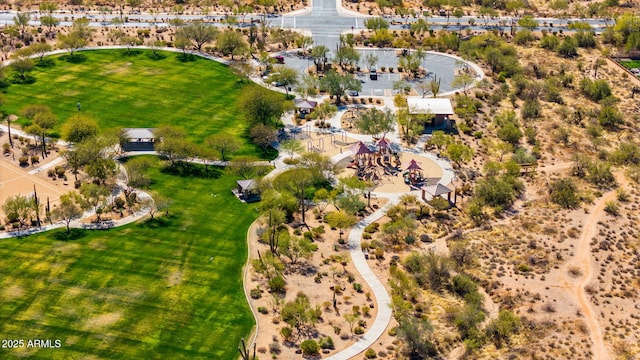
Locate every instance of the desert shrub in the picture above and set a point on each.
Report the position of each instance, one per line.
(274, 348)
(60, 171)
(372, 228)
(255, 293)
(310, 347)
(23, 160)
(499, 330)
(358, 330)
(35, 159)
(564, 193)
(531, 109)
(595, 90)
(357, 287)
(286, 332)
(276, 284)
(326, 343)
(463, 285)
(370, 354)
(263, 310)
(612, 208)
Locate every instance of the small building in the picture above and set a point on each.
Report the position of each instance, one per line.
(139, 139)
(247, 191)
(305, 107)
(436, 190)
(439, 108)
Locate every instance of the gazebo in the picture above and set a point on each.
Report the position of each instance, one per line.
(305, 107)
(247, 190)
(414, 172)
(436, 190)
(361, 152)
(139, 139)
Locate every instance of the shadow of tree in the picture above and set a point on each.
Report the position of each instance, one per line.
(184, 169)
(73, 234)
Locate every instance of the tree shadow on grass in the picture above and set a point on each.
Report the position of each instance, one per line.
(131, 53)
(184, 57)
(45, 63)
(157, 222)
(184, 169)
(74, 58)
(156, 56)
(73, 234)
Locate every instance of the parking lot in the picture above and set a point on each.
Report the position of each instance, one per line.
(441, 65)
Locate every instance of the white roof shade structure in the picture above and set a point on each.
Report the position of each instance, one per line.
(430, 106)
(139, 133)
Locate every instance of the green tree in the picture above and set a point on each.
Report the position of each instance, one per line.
(501, 329)
(320, 57)
(69, 209)
(173, 144)
(371, 60)
(346, 56)
(286, 76)
(262, 135)
(232, 43)
(323, 111)
(376, 122)
(291, 146)
(94, 197)
(78, 128)
(77, 38)
(296, 181)
(224, 144)
(341, 219)
(458, 152)
(20, 209)
(568, 47)
(22, 20)
(564, 193)
(262, 106)
(464, 81)
(416, 334)
(137, 169)
(297, 247)
(198, 33)
(336, 84)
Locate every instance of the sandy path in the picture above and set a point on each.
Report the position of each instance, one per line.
(583, 261)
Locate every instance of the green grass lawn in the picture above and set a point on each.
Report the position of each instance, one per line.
(631, 64)
(144, 291)
(122, 90)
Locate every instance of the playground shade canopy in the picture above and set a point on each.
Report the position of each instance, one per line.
(413, 165)
(383, 143)
(360, 148)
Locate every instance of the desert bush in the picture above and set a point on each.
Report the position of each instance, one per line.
(326, 343)
(310, 347)
(274, 348)
(263, 310)
(255, 293)
(276, 284)
(23, 160)
(286, 332)
(612, 208)
(370, 354)
(501, 329)
(564, 193)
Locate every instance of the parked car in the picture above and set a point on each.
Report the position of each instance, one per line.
(373, 74)
(352, 92)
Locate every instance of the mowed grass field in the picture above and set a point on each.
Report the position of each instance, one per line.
(121, 90)
(149, 290)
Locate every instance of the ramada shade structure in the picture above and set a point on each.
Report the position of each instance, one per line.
(436, 189)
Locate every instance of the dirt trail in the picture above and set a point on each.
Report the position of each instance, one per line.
(576, 286)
